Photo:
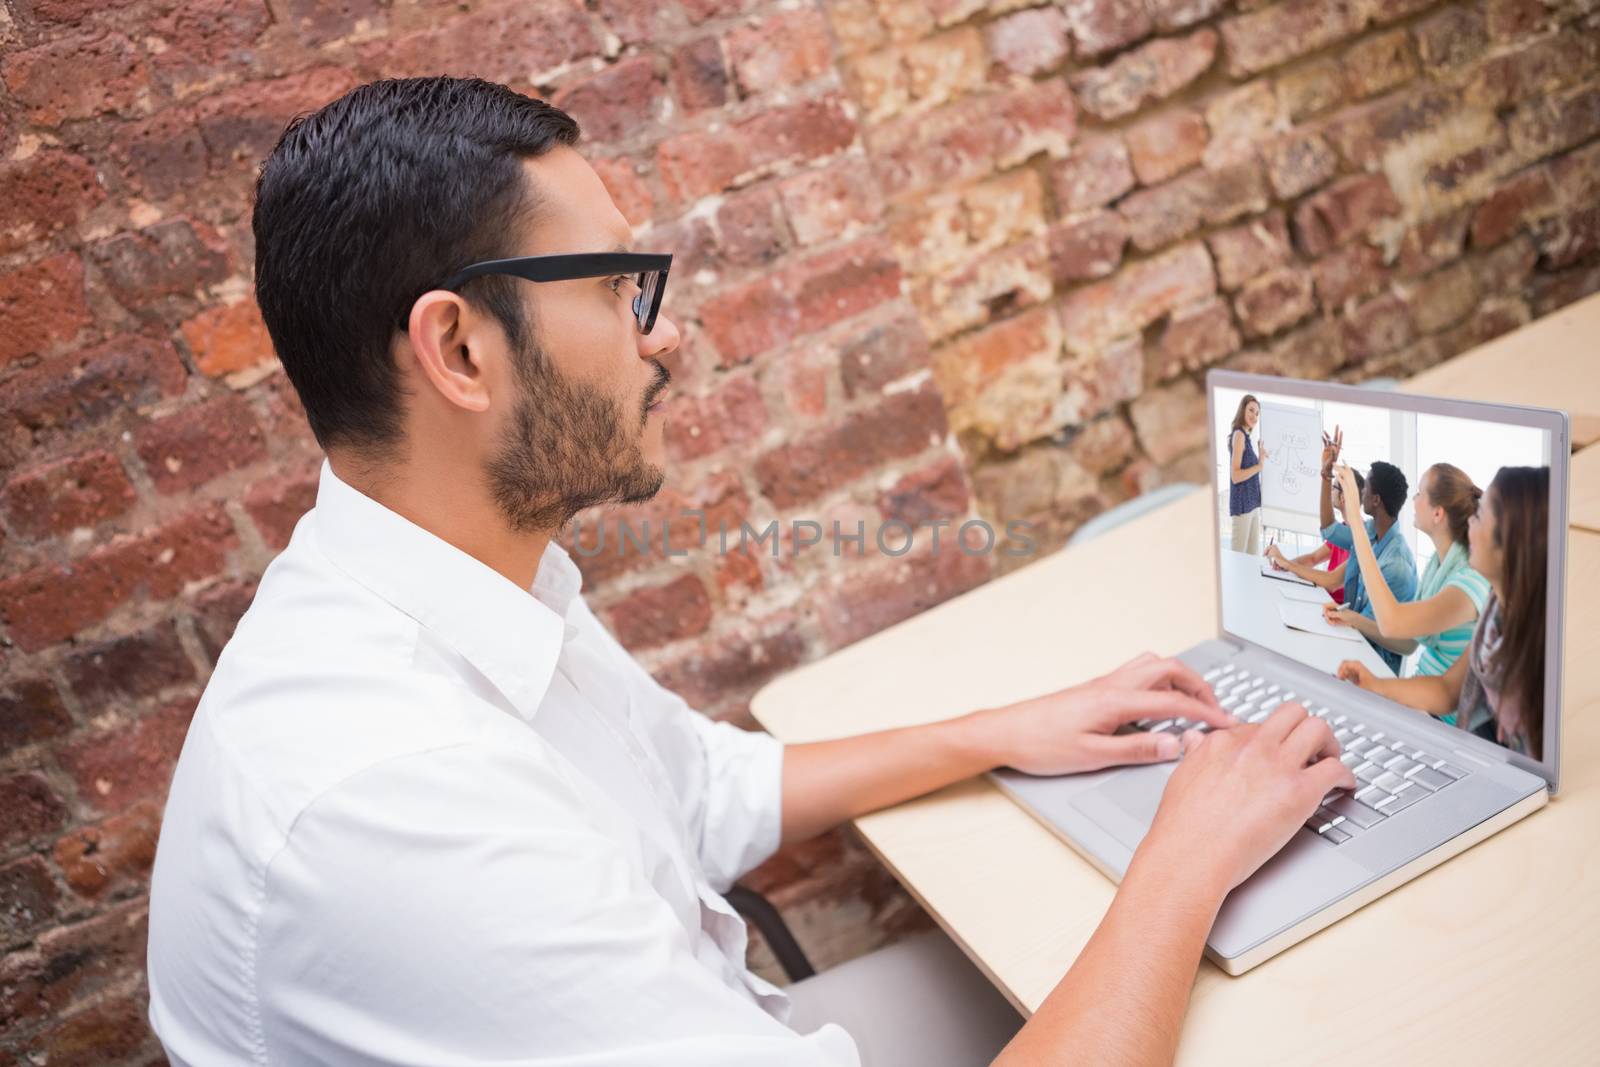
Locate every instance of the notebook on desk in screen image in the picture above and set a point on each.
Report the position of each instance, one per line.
(1429, 787)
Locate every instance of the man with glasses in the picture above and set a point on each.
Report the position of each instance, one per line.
(429, 811)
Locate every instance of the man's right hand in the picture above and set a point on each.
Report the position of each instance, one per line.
(1239, 794)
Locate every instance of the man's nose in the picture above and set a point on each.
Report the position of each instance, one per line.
(663, 338)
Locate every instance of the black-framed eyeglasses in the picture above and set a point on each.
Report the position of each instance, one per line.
(649, 269)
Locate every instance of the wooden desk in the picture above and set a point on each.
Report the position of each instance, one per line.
(1548, 363)
(1583, 504)
(1492, 957)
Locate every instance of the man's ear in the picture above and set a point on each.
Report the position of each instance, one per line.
(447, 341)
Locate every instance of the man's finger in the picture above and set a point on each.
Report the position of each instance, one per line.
(1311, 740)
(1180, 676)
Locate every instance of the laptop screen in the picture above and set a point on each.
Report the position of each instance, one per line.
(1402, 551)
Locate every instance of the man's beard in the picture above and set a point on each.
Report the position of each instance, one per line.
(568, 448)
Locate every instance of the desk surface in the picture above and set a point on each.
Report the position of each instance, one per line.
(1250, 605)
(1492, 957)
(1547, 363)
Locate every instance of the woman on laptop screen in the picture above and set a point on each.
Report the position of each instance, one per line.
(1496, 688)
(1244, 490)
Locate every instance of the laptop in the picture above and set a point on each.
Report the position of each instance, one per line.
(1427, 789)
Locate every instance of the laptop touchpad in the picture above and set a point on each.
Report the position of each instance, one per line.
(1126, 804)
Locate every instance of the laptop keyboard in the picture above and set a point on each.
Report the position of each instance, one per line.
(1391, 775)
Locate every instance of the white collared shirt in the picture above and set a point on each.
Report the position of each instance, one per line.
(424, 816)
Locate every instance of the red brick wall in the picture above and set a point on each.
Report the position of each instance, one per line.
(936, 260)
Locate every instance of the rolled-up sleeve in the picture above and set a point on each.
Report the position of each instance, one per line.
(1338, 534)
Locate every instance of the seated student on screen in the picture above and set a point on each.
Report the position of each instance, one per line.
(1450, 595)
(1383, 498)
(1331, 579)
(1496, 689)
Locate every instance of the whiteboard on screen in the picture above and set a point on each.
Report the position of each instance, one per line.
(1291, 479)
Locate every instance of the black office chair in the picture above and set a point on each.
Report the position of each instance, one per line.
(759, 910)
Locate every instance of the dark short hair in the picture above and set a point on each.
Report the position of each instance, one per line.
(1390, 485)
(369, 202)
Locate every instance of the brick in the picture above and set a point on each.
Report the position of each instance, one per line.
(637, 21)
(44, 304)
(1274, 301)
(1170, 420)
(1087, 247)
(517, 43)
(1170, 15)
(206, 42)
(723, 671)
(1194, 337)
(1521, 199)
(701, 426)
(1553, 124)
(1435, 242)
(1442, 299)
(121, 764)
(1540, 69)
(699, 75)
(218, 609)
(1554, 291)
(1100, 26)
(1136, 296)
(1511, 20)
(228, 338)
(701, 162)
(881, 83)
(610, 541)
(1005, 208)
(71, 963)
(88, 387)
(162, 156)
(1165, 144)
(1240, 121)
(1507, 268)
(1364, 134)
(616, 102)
(1103, 445)
(53, 602)
(1380, 63)
(50, 191)
(115, 853)
(1309, 89)
(240, 126)
(130, 667)
(1385, 11)
(107, 1031)
(1357, 270)
(1263, 39)
(200, 443)
(814, 293)
(63, 495)
(1565, 239)
(883, 353)
(1097, 381)
(856, 25)
(1097, 172)
(1165, 213)
(938, 491)
(1008, 279)
(1342, 212)
(32, 808)
(1244, 251)
(28, 898)
(1576, 176)
(748, 227)
(1314, 351)
(1002, 382)
(320, 23)
(903, 424)
(629, 191)
(973, 137)
(1150, 72)
(168, 259)
(1298, 164)
(277, 504)
(77, 77)
(1375, 328)
(656, 615)
(1029, 42)
(31, 710)
(784, 49)
(856, 605)
(1451, 36)
(833, 203)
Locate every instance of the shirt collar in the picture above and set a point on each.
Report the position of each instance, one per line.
(513, 635)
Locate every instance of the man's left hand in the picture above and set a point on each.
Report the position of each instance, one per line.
(1074, 729)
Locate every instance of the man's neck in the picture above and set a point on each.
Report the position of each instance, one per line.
(458, 510)
(1380, 525)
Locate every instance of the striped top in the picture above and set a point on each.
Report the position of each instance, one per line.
(1440, 650)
